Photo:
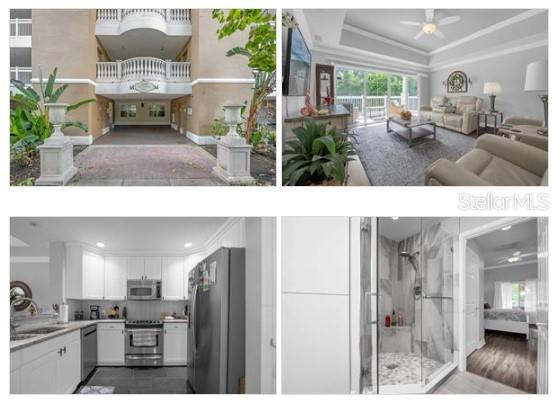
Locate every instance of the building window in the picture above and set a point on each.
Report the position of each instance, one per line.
(127, 111)
(157, 110)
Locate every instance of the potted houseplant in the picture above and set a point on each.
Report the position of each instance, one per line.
(318, 156)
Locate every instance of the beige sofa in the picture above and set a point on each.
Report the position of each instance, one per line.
(526, 131)
(461, 116)
(494, 161)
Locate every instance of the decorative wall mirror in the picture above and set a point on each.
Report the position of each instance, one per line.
(20, 289)
(457, 82)
(324, 77)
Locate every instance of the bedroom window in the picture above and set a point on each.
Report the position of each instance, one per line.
(518, 293)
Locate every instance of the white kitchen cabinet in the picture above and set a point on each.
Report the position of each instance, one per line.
(84, 275)
(174, 343)
(152, 267)
(135, 267)
(172, 278)
(111, 343)
(53, 366)
(116, 277)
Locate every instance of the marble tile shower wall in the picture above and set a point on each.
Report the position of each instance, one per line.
(397, 279)
(136, 310)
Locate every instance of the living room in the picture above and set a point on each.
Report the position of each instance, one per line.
(446, 97)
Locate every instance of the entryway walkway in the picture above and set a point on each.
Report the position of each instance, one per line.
(144, 156)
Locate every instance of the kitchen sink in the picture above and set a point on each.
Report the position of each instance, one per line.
(43, 330)
(22, 336)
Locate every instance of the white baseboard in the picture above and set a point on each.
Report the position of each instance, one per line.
(202, 140)
(105, 130)
(81, 140)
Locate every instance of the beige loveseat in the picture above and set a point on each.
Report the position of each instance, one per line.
(494, 161)
(460, 115)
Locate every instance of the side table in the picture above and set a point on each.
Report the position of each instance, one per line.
(491, 115)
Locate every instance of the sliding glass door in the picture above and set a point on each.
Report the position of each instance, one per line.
(370, 93)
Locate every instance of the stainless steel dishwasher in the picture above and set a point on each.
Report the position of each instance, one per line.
(89, 350)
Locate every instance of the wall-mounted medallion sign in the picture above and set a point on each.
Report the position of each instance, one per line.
(144, 86)
(457, 82)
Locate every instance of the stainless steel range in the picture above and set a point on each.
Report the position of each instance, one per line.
(143, 343)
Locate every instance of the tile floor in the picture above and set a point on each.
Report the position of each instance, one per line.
(466, 383)
(161, 380)
(404, 368)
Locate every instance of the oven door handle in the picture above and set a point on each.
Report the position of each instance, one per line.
(157, 331)
(143, 357)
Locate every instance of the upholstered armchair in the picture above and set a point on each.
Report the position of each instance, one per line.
(395, 109)
(525, 130)
(494, 161)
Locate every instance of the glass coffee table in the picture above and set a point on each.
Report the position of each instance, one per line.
(416, 123)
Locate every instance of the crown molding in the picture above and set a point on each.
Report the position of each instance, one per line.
(505, 265)
(488, 30)
(30, 259)
(503, 52)
(372, 35)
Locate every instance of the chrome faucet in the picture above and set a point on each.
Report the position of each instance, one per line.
(13, 324)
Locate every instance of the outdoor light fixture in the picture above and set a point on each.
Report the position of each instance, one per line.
(506, 228)
(188, 244)
(429, 28)
(100, 244)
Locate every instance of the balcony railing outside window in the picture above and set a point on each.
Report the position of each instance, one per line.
(375, 106)
(23, 74)
(139, 68)
(21, 27)
(168, 14)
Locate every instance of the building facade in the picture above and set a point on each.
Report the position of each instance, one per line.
(143, 66)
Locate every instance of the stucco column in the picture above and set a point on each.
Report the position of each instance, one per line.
(233, 153)
(56, 154)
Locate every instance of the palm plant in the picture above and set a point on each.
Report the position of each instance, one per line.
(319, 153)
(29, 122)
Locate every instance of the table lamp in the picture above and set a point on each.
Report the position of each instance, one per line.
(492, 88)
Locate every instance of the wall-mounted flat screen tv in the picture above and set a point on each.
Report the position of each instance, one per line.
(297, 66)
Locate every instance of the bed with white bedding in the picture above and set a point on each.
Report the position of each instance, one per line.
(507, 320)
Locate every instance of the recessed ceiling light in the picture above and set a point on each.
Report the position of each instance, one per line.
(395, 218)
(188, 244)
(100, 244)
(506, 228)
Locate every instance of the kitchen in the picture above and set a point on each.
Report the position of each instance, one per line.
(142, 305)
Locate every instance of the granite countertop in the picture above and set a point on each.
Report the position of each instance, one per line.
(64, 329)
(333, 112)
(175, 320)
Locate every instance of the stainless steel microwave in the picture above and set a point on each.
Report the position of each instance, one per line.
(143, 289)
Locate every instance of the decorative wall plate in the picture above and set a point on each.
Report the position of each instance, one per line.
(144, 86)
(457, 82)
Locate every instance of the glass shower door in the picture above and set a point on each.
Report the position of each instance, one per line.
(438, 239)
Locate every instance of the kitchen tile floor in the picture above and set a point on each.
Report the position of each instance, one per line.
(161, 380)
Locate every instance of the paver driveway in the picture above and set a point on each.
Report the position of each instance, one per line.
(144, 156)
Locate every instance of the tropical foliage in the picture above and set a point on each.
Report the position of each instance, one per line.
(260, 49)
(351, 82)
(29, 122)
(319, 153)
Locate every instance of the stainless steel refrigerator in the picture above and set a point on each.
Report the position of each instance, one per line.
(216, 327)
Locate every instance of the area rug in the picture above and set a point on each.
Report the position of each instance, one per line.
(97, 390)
(388, 160)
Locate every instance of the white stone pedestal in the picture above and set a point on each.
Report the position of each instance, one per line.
(233, 160)
(56, 162)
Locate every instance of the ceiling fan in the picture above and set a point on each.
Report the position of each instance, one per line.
(430, 25)
(517, 256)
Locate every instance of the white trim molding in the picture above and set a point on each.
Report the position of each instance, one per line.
(67, 81)
(106, 130)
(81, 140)
(503, 52)
(492, 28)
(222, 81)
(202, 140)
(372, 35)
(30, 259)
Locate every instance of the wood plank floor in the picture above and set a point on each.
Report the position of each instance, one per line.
(507, 358)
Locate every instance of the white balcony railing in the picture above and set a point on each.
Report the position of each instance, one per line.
(139, 68)
(375, 106)
(21, 27)
(23, 74)
(120, 14)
